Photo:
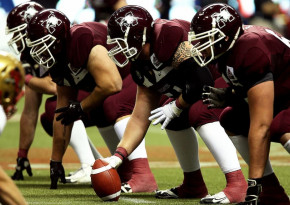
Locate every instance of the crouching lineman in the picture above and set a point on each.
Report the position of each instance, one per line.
(76, 58)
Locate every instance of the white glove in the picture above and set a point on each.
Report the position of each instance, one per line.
(113, 161)
(165, 113)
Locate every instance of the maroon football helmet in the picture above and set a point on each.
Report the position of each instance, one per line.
(214, 30)
(129, 28)
(17, 21)
(47, 33)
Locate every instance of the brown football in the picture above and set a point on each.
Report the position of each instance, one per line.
(105, 181)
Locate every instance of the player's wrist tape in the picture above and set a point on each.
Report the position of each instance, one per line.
(121, 153)
(28, 78)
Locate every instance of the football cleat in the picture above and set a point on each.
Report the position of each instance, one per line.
(219, 198)
(126, 188)
(167, 194)
(82, 175)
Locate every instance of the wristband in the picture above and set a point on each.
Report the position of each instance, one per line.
(28, 78)
(121, 153)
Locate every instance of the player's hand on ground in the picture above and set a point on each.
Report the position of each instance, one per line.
(165, 114)
(22, 164)
(56, 172)
(113, 161)
(70, 113)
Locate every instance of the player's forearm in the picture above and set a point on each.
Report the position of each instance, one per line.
(259, 144)
(96, 98)
(135, 132)
(61, 138)
(42, 85)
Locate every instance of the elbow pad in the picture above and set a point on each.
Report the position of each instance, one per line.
(195, 78)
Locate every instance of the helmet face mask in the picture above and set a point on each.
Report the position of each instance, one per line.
(121, 48)
(203, 45)
(128, 29)
(47, 33)
(215, 27)
(40, 51)
(17, 21)
(17, 43)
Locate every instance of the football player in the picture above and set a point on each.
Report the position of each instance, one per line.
(76, 58)
(11, 84)
(161, 64)
(255, 62)
(37, 83)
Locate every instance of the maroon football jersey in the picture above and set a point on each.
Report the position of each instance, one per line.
(84, 37)
(157, 73)
(258, 55)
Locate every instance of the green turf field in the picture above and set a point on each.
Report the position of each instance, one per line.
(160, 153)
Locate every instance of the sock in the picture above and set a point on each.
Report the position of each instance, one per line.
(241, 143)
(193, 186)
(221, 147)
(80, 144)
(236, 188)
(22, 153)
(96, 153)
(110, 137)
(142, 179)
(287, 146)
(140, 151)
(185, 145)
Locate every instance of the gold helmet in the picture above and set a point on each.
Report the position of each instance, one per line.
(12, 77)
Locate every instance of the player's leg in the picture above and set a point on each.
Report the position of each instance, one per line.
(185, 145)
(272, 191)
(79, 142)
(206, 122)
(135, 172)
(28, 122)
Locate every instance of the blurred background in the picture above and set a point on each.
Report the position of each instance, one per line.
(274, 14)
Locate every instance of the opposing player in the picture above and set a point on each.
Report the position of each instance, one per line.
(76, 58)
(11, 84)
(161, 64)
(255, 62)
(37, 83)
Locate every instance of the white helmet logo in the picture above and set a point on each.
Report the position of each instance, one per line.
(222, 17)
(51, 23)
(28, 13)
(127, 21)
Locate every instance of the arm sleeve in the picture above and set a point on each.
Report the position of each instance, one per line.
(196, 77)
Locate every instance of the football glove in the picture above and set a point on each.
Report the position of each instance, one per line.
(165, 114)
(70, 113)
(56, 172)
(22, 164)
(113, 161)
(253, 192)
(217, 97)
